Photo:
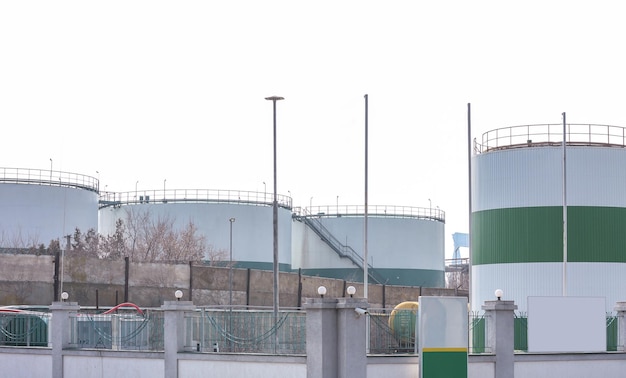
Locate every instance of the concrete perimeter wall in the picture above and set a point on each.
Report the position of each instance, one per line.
(37, 362)
(28, 279)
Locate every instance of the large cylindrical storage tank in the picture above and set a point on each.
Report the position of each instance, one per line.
(518, 196)
(405, 244)
(210, 210)
(38, 206)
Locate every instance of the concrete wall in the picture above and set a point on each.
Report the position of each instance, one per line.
(36, 362)
(25, 363)
(29, 280)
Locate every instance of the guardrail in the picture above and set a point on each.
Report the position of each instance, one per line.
(48, 177)
(390, 211)
(576, 134)
(109, 199)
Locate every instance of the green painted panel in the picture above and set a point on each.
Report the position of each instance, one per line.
(534, 234)
(528, 234)
(596, 234)
(444, 364)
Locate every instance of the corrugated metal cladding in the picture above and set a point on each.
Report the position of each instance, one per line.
(535, 234)
(517, 222)
(530, 177)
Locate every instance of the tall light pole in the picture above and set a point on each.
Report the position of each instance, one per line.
(50, 169)
(230, 266)
(275, 219)
(365, 270)
(264, 192)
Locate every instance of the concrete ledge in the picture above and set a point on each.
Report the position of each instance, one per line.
(238, 357)
(319, 303)
(562, 357)
(499, 306)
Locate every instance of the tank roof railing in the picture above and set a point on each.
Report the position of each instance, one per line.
(378, 211)
(541, 135)
(48, 177)
(116, 199)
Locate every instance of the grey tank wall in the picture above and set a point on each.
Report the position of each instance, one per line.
(37, 214)
(252, 236)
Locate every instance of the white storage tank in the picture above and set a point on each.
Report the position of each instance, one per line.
(38, 206)
(517, 239)
(405, 244)
(210, 210)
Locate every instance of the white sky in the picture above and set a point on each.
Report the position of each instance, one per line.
(174, 90)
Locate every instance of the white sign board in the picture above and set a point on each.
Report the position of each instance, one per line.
(566, 324)
(443, 337)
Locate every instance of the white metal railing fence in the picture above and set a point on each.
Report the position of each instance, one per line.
(48, 177)
(192, 195)
(246, 331)
(117, 331)
(551, 135)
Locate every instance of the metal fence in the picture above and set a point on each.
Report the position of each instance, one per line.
(119, 331)
(24, 329)
(478, 324)
(392, 331)
(246, 331)
(612, 339)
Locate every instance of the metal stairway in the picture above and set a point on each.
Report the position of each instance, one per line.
(342, 250)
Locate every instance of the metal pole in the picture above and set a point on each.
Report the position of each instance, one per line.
(365, 259)
(564, 209)
(469, 194)
(275, 226)
(230, 287)
(230, 266)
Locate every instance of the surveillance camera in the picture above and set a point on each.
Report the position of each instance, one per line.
(360, 311)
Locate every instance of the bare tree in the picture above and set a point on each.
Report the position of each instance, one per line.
(141, 237)
(458, 279)
(18, 239)
(113, 246)
(217, 257)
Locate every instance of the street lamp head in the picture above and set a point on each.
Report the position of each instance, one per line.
(321, 291)
(351, 290)
(498, 293)
(274, 98)
(232, 220)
